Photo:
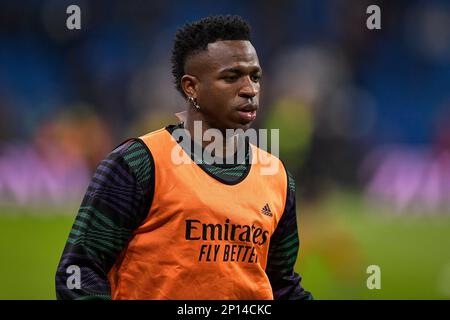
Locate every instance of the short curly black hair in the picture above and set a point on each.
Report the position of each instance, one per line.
(195, 37)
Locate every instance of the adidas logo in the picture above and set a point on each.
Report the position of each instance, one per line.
(266, 210)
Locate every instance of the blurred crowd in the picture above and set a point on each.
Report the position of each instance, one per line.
(366, 110)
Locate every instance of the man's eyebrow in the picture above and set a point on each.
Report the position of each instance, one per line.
(239, 70)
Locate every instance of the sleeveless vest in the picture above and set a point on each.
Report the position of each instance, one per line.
(202, 239)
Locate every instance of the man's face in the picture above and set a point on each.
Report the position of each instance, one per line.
(228, 87)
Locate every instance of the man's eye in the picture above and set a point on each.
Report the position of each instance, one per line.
(231, 78)
(256, 78)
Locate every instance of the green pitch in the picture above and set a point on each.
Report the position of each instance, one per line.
(339, 240)
(412, 251)
(30, 248)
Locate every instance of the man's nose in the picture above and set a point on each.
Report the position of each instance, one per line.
(250, 89)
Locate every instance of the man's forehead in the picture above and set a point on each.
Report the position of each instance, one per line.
(226, 54)
(241, 49)
(232, 52)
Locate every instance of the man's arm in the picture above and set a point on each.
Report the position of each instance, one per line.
(115, 203)
(283, 250)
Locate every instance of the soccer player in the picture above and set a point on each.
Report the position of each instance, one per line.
(151, 228)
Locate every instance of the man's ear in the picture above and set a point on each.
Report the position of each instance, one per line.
(189, 84)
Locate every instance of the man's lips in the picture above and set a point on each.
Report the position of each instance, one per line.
(248, 115)
(247, 107)
(247, 112)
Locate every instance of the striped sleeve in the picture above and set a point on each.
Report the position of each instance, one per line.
(283, 250)
(115, 204)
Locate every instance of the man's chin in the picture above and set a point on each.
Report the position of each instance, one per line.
(242, 126)
(234, 125)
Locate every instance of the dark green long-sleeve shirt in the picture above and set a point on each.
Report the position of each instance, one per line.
(116, 202)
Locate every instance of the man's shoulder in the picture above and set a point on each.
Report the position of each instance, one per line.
(132, 152)
(265, 157)
(153, 133)
(126, 147)
(159, 138)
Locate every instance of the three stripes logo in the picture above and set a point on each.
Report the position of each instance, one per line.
(266, 210)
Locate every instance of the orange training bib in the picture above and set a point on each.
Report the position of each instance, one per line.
(202, 239)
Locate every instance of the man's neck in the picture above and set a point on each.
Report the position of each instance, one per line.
(196, 125)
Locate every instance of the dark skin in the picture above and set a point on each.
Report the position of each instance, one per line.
(225, 82)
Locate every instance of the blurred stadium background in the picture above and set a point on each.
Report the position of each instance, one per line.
(364, 118)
